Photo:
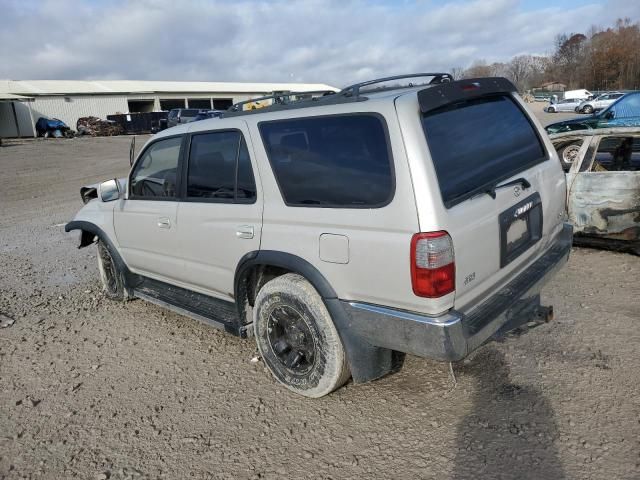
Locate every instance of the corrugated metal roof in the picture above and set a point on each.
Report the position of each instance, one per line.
(12, 97)
(92, 87)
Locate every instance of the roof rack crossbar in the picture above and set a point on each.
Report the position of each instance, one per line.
(354, 90)
(280, 98)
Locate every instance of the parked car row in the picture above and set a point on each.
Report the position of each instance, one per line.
(178, 116)
(582, 105)
(623, 112)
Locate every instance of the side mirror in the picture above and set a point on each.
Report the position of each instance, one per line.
(109, 190)
(610, 115)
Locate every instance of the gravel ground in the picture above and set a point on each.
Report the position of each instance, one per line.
(94, 389)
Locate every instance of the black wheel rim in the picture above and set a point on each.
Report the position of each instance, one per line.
(110, 283)
(291, 340)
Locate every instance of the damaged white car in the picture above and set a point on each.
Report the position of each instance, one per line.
(603, 185)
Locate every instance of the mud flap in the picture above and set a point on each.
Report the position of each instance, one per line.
(366, 362)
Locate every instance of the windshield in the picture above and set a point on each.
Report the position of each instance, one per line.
(477, 143)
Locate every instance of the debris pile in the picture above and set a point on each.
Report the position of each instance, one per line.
(96, 127)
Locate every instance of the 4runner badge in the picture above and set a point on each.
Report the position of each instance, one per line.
(523, 209)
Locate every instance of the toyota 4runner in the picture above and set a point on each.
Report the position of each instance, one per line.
(345, 229)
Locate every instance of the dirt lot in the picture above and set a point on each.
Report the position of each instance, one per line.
(95, 389)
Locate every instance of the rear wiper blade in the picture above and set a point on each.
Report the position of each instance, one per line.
(491, 191)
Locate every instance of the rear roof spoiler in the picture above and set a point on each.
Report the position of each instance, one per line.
(443, 94)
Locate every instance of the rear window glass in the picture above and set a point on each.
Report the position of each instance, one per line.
(477, 143)
(331, 161)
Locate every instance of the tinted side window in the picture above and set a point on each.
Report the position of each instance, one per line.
(333, 161)
(220, 168)
(246, 185)
(156, 172)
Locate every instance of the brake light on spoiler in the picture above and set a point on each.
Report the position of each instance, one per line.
(433, 272)
(437, 96)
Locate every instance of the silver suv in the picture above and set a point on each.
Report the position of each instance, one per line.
(343, 230)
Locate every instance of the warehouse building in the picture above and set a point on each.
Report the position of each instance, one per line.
(23, 102)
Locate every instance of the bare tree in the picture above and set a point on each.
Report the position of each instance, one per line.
(602, 59)
(479, 68)
(456, 72)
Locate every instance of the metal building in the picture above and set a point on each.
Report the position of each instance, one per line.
(23, 102)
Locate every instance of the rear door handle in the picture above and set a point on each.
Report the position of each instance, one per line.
(244, 231)
(164, 222)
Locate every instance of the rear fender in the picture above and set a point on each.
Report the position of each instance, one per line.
(367, 362)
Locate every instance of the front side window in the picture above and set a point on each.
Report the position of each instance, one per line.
(155, 174)
(339, 161)
(220, 168)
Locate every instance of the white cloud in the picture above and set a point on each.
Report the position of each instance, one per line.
(334, 41)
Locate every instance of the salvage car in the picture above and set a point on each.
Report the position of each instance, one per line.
(346, 230)
(624, 112)
(598, 103)
(565, 105)
(181, 115)
(603, 185)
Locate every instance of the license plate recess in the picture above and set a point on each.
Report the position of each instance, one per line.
(520, 228)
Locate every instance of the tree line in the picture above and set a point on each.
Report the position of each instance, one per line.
(601, 59)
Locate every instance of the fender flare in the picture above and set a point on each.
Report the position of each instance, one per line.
(89, 232)
(367, 362)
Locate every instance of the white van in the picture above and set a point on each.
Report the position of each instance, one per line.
(581, 93)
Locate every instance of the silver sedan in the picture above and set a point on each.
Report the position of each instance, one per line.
(567, 105)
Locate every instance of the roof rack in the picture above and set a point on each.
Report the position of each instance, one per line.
(280, 98)
(283, 101)
(354, 90)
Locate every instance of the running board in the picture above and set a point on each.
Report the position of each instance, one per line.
(212, 311)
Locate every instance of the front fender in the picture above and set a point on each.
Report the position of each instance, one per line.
(95, 214)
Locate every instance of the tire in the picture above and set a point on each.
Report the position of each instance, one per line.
(587, 109)
(110, 275)
(297, 338)
(551, 110)
(568, 155)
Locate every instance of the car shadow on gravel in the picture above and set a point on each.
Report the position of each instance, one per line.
(510, 431)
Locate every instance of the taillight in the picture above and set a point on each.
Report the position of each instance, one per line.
(433, 269)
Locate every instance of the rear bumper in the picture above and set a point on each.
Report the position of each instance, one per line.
(454, 335)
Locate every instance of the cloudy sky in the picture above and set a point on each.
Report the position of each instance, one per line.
(330, 41)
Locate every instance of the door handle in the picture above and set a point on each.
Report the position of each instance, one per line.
(164, 222)
(244, 231)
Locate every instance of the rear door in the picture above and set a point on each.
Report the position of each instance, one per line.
(479, 136)
(220, 214)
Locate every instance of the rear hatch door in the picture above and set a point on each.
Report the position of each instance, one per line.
(501, 186)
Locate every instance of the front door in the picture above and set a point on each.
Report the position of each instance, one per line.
(603, 198)
(146, 220)
(220, 214)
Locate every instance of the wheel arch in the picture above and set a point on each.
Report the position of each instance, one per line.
(366, 362)
(89, 232)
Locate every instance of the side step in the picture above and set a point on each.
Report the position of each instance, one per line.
(206, 309)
